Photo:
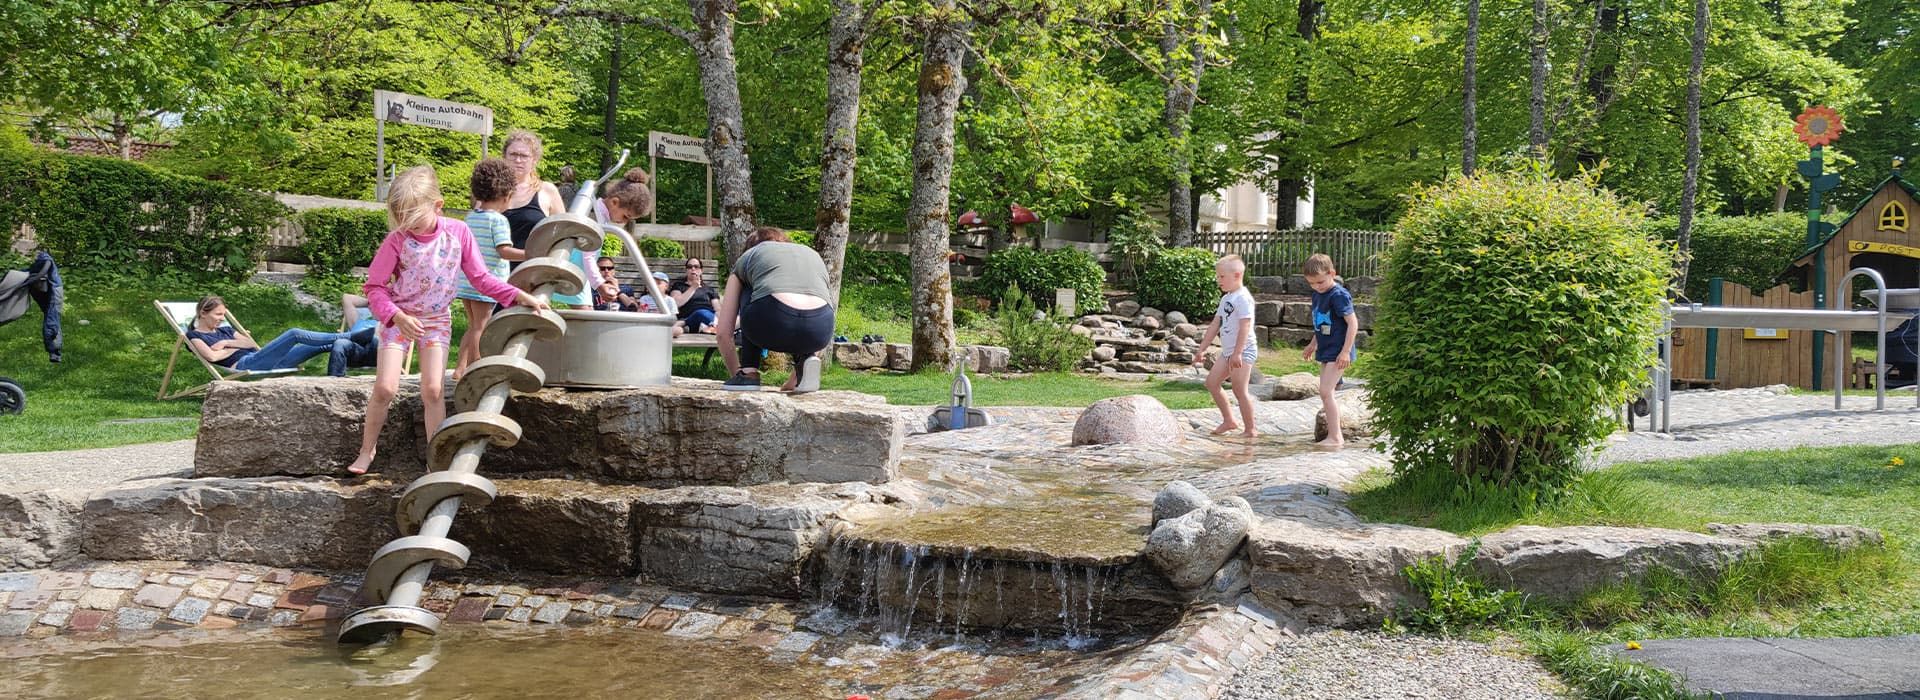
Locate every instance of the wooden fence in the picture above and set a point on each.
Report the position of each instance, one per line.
(1748, 357)
(1355, 253)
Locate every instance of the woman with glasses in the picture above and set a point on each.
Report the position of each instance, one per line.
(695, 299)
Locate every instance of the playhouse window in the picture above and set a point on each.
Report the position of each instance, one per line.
(1893, 217)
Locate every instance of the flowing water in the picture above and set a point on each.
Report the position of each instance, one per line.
(487, 661)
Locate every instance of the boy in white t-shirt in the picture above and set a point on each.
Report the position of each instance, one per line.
(1233, 323)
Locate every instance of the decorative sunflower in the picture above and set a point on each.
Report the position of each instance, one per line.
(1818, 126)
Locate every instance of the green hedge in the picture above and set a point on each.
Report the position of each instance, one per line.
(875, 267)
(124, 217)
(1748, 250)
(1041, 272)
(1517, 310)
(340, 239)
(1181, 279)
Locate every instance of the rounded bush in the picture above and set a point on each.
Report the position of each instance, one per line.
(339, 239)
(1042, 271)
(1517, 311)
(661, 249)
(1181, 279)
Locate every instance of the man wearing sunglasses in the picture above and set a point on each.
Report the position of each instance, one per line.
(611, 295)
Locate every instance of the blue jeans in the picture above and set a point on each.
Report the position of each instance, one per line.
(289, 350)
(700, 317)
(354, 349)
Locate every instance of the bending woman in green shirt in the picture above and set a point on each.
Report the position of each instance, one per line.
(778, 292)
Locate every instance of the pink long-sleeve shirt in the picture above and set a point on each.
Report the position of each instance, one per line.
(418, 273)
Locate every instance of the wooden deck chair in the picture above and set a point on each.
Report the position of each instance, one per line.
(179, 316)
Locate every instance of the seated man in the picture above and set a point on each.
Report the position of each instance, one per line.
(611, 295)
(359, 344)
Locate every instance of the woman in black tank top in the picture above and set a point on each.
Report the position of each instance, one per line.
(522, 152)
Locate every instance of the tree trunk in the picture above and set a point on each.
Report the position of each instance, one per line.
(122, 137)
(607, 118)
(1288, 188)
(1537, 103)
(846, 41)
(1600, 77)
(1179, 45)
(941, 82)
(1470, 134)
(1689, 189)
(1780, 198)
(712, 41)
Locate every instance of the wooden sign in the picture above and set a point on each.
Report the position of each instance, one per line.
(676, 147)
(1906, 251)
(1063, 302)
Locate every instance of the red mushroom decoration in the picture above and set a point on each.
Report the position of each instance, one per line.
(1022, 215)
(1818, 126)
(972, 218)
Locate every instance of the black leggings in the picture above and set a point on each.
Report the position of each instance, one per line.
(767, 324)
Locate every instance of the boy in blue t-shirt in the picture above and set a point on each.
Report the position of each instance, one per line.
(1334, 330)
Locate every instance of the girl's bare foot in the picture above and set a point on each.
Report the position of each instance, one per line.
(1225, 428)
(1248, 433)
(1331, 443)
(360, 464)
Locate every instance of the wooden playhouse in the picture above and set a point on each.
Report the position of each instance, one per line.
(1881, 233)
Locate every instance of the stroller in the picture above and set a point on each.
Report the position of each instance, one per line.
(1903, 354)
(40, 282)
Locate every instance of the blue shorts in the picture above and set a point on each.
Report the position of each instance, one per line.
(1324, 354)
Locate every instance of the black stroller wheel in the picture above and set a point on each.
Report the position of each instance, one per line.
(13, 398)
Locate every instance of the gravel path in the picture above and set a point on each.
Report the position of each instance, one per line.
(1339, 664)
(95, 468)
(1713, 422)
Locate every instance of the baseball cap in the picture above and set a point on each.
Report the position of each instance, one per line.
(662, 276)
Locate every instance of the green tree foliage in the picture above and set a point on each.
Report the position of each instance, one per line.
(1748, 250)
(1181, 279)
(1516, 310)
(1041, 272)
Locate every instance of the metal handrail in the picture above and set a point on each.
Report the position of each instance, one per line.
(1844, 344)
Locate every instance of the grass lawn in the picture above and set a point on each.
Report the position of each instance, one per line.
(1877, 487)
(102, 393)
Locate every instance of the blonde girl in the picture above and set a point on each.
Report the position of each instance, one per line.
(410, 288)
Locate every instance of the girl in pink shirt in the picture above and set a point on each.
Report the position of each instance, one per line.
(410, 288)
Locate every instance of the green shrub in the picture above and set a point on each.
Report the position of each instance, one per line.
(1516, 310)
(662, 249)
(1748, 250)
(1041, 272)
(875, 267)
(1135, 239)
(124, 217)
(1036, 341)
(1181, 279)
(1453, 598)
(339, 239)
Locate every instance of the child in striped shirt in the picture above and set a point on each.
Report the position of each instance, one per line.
(491, 185)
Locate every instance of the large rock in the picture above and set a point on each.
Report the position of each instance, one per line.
(1296, 386)
(686, 433)
(1298, 313)
(1562, 563)
(1356, 416)
(1187, 330)
(1291, 337)
(554, 526)
(1363, 313)
(1146, 323)
(1266, 313)
(311, 523)
(1190, 548)
(1103, 353)
(859, 356)
(1126, 307)
(1835, 536)
(1268, 284)
(1363, 286)
(39, 529)
(1174, 318)
(1137, 419)
(1341, 576)
(988, 359)
(1175, 499)
(899, 357)
(1297, 284)
(1157, 315)
(301, 426)
(751, 541)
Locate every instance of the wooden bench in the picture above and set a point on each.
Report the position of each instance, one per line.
(699, 340)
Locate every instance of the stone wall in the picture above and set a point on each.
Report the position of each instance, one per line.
(681, 434)
(898, 357)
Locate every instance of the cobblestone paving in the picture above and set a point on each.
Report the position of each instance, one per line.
(1713, 422)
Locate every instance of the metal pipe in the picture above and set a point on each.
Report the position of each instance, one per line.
(1797, 319)
(582, 203)
(1844, 343)
(646, 272)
